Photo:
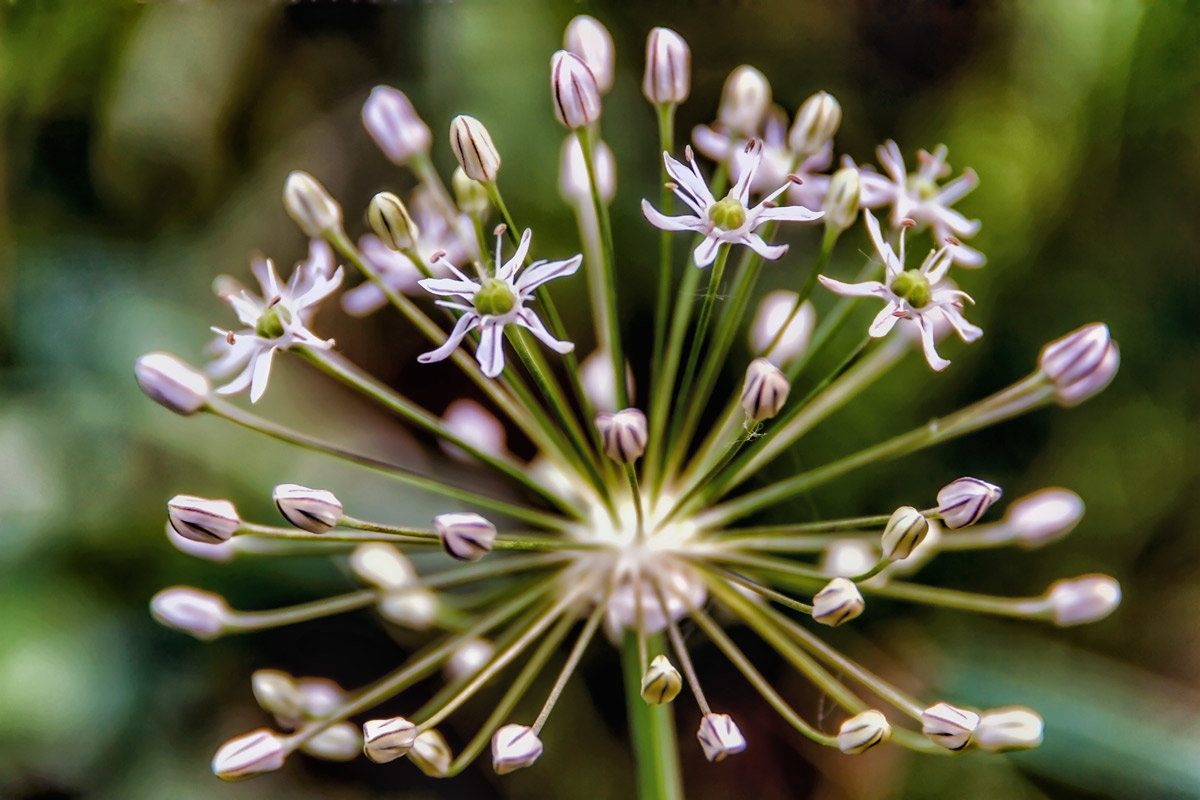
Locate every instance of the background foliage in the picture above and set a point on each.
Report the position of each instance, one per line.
(144, 147)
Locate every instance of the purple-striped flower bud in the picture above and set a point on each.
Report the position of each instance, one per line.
(816, 123)
(962, 502)
(720, 736)
(905, 530)
(341, 741)
(171, 383)
(949, 726)
(312, 510)
(465, 535)
(431, 754)
(472, 146)
(668, 78)
(623, 434)
(201, 519)
(391, 222)
(1081, 363)
(514, 747)
(574, 90)
(310, 205)
(386, 740)
(744, 101)
(840, 601)
(394, 125)
(1078, 601)
(764, 391)
(591, 41)
(249, 755)
(1009, 728)
(863, 731)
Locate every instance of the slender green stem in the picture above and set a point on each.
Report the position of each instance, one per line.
(577, 651)
(1021, 607)
(652, 729)
(304, 612)
(666, 141)
(660, 399)
(810, 283)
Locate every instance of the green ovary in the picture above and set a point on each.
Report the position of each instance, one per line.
(495, 297)
(913, 287)
(727, 214)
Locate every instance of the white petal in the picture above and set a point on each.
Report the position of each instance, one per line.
(884, 320)
(767, 251)
(364, 299)
(662, 221)
(541, 271)
(689, 178)
(511, 266)
(490, 353)
(892, 161)
(958, 188)
(529, 320)
(864, 289)
(788, 214)
(262, 371)
(706, 251)
(450, 287)
(464, 324)
(927, 343)
(956, 222)
(892, 264)
(712, 144)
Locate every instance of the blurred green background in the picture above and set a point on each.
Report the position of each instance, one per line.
(144, 149)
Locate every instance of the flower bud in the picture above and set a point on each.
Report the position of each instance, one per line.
(249, 755)
(319, 697)
(591, 41)
(845, 558)
(574, 90)
(470, 195)
(1077, 601)
(962, 502)
(1044, 516)
(623, 434)
(816, 123)
(904, 531)
(171, 383)
(476, 426)
(863, 731)
(199, 613)
(774, 310)
(764, 391)
(386, 740)
(720, 736)
(840, 601)
(394, 125)
(382, 565)
(313, 510)
(1010, 728)
(1081, 363)
(468, 658)
(948, 725)
(599, 384)
(391, 222)
(310, 205)
(514, 747)
(842, 199)
(414, 609)
(339, 742)
(465, 536)
(573, 180)
(220, 552)
(668, 76)
(744, 101)
(472, 145)
(203, 520)
(662, 682)
(276, 693)
(431, 754)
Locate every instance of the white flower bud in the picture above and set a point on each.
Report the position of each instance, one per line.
(319, 697)
(1044, 516)
(472, 146)
(1081, 363)
(662, 682)
(220, 552)
(476, 426)
(416, 609)
(948, 725)
(573, 180)
(193, 611)
(816, 123)
(845, 558)
(514, 747)
(431, 754)
(276, 693)
(1089, 598)
(339, 742)
(772, 312)
(310, 205)
(201, 519)
(574, 90)
(720, 736)
(863, 731)
(386, 740)
(470, 195)
(382, 565)
(668, 78)
(904, 531)
(252, 754)
(764, 391)
(599, 384)
(623, 434)
(962, 502)
(744, 101)
(391, 222)
(171, 383)
(465, 535)
(591, 41)
(394, 125)
(840, 601)
(313, 510)
(842, 199)
(468, 658)
(1010, 728)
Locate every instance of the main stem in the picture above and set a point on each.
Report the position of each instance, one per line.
(652, 728)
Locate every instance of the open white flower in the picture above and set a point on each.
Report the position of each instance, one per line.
(725, 221)
(922, 296)
(276, 321)
(496, 302)
(919, 198)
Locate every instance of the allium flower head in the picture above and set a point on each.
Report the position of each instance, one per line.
(608, 515)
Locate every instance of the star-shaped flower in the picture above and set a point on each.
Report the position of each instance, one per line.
(923, 296)
(496, 302)
(276, 321)
(725, 221)
(919, 198)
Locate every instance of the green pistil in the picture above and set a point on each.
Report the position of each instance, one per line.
(270, 324)
(924, 189)
(912, 286)
(728, 214)
(494, 297)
